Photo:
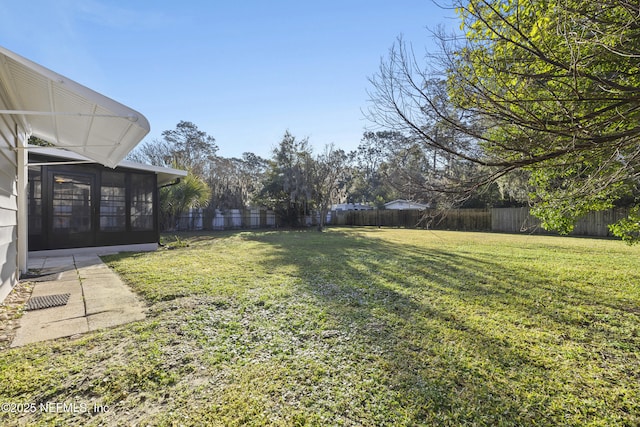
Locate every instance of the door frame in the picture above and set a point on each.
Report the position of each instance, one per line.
(69, 239)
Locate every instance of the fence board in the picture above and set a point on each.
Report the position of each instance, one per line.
(519, 220)
(455, 219)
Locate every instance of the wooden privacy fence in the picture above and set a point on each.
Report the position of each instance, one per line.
(504, 220)
(519, 220)
(457, 219)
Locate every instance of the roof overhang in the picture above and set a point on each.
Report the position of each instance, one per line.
(165, 175)
(68, 114)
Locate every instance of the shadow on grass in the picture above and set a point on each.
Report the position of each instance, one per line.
(471, 338)
(423, 333)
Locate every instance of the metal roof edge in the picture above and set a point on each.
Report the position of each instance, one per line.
(70, 155)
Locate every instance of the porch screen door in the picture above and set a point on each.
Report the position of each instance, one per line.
(72, 202)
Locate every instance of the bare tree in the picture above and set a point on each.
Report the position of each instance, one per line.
(549, 87)
(328, 179)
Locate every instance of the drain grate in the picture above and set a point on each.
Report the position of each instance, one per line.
(47, 301)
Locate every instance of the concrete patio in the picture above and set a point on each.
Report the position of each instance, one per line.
(98, 298)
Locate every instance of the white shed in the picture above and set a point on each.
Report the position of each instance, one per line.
(37, 101)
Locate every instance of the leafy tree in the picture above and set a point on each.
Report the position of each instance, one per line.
(298, 182)
(551, 87)
(235, 182)
(185, 147)
(628, 228)
(369, 178)
(192, 148)
(286, 187)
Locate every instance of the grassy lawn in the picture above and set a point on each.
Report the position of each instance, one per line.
(355, 327)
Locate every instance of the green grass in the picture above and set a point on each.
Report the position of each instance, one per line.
(356, 327)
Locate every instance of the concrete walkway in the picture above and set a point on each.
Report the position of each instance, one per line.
(98, 299)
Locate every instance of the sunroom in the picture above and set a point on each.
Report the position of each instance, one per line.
(75, 202)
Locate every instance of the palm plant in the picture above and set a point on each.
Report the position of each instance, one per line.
(176, 200)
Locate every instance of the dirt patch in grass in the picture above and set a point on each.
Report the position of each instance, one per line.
(11, 310)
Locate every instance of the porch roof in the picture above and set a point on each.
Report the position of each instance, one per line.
(68, 114)
(165, 175)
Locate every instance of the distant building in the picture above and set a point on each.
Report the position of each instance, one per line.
(351, 207)
(405, 205)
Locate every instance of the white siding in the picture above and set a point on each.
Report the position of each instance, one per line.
(8, 204)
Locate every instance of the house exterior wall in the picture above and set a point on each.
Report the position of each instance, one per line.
(9, 133)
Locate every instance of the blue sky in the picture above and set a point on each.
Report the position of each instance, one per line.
(242, 71)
